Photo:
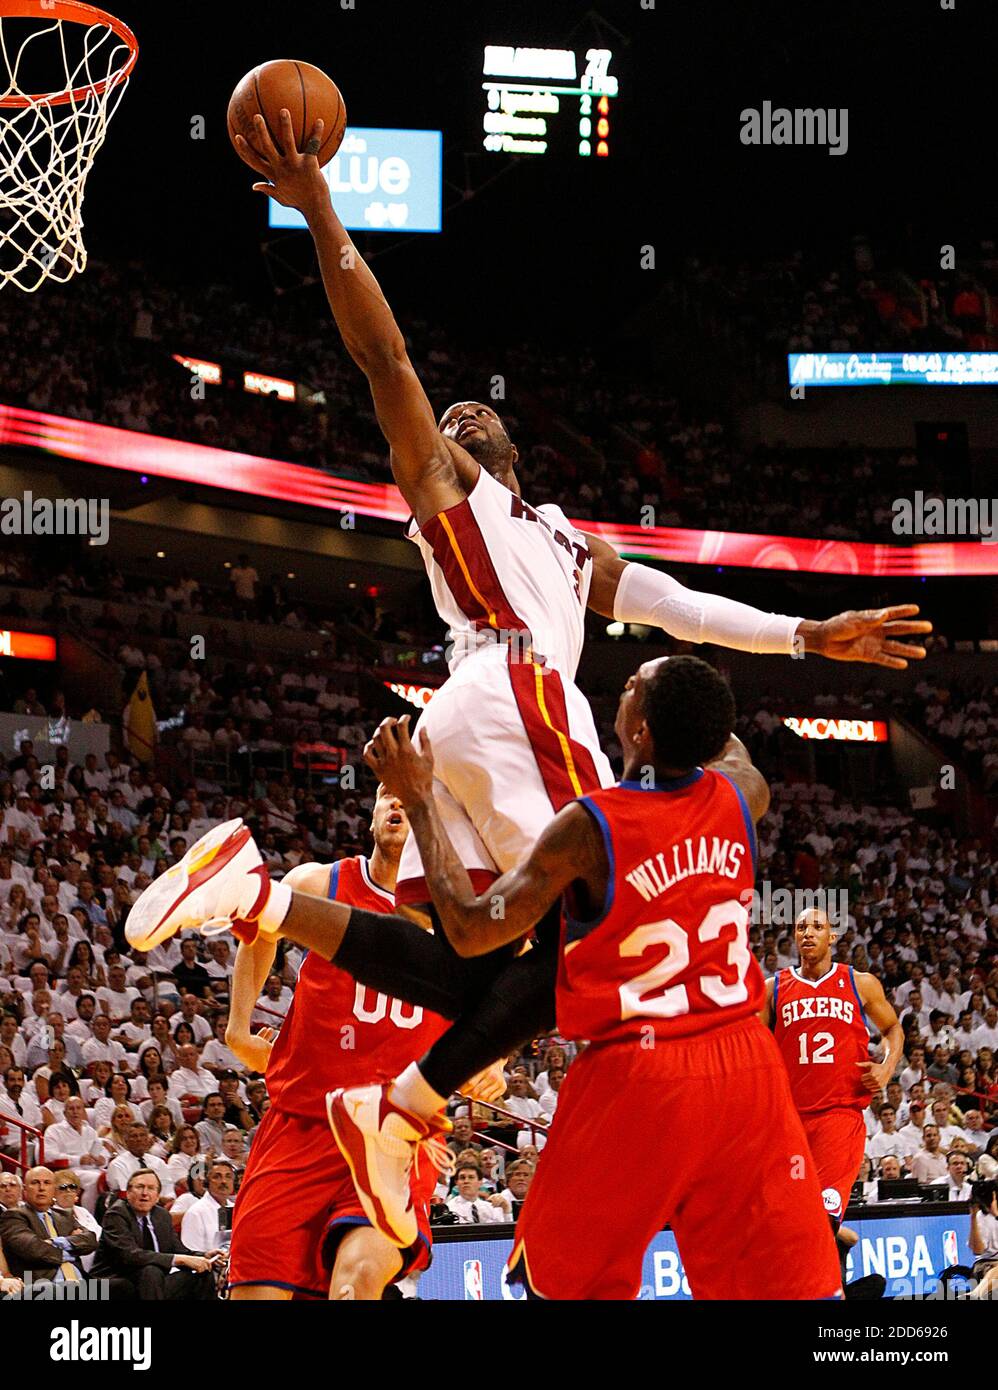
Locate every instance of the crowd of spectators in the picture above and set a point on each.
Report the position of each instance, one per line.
(120, 1057)
(598, 432)
(864, 298)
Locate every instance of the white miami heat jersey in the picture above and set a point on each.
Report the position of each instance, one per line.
(503, 571)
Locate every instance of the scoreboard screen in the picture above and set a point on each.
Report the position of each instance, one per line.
(539, 97)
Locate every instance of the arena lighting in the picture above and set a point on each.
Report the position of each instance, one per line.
(259, 384)
(418, 695)
(843, 730)
(109, 447)
(26, 646)
(210, 372)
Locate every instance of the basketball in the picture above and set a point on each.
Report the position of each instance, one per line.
(307, 93)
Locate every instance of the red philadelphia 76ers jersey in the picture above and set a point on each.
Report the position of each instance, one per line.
(669, 949)
(820, 1028)
(338, 1032)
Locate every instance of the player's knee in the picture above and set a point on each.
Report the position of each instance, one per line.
(359, 1277)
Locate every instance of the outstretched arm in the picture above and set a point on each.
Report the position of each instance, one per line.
(474, 925)
(633, 593)
(431, 472)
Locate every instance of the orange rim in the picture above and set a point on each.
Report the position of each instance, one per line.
(74, 12)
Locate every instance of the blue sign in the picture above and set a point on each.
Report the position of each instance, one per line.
(382, 181)
(910, 1252)
(893, 368)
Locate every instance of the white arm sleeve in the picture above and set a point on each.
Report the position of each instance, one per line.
(646, 595)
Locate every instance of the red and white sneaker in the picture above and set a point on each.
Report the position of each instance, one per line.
(380, 1142)
(205, 889)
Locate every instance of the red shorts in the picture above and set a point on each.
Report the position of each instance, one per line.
(837, 1140)
(698, 1133)
(297, 1200)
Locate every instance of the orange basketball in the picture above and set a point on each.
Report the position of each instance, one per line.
(307, 93)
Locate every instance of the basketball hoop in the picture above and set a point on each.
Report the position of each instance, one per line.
(64, 67)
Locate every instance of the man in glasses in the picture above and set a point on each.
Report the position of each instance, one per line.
(68, 1194)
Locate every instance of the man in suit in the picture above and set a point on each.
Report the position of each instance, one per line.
(142, 1255)
(42, 1237)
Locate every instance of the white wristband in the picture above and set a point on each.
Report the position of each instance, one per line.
(646, 595)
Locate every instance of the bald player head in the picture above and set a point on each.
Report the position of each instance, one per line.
(814, 935)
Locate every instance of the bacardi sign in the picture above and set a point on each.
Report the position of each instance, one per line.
(845, 730)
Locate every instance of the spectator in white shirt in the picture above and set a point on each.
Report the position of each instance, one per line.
(275, 1000)
(76, 1141)
(471, 1208)
(10, 1036)
(957, 1168)
(185, 1153)
(549, 1098)
(190, 1083)
(916, 1006)
(947, 1130)
(138, 1142)
(16, 1104)
(518, 1102)
(136, 1028)
(929, 1163)
(101, 1047)
(888, 1140)
(157, 1086)
(217, 1056)
(199, 1229)
(987, 1034)
(219, 964)
(118, 1091)
(189, 1012)
(11, 1190)
(915, 1070)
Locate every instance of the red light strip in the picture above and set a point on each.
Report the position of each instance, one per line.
(27, 646)
(132, 452)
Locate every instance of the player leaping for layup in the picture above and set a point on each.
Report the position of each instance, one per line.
(513, 737)
(818, 1011)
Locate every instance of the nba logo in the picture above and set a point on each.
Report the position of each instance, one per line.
(473, 1280)
(951, 1249)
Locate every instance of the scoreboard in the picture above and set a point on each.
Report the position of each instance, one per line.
(535, 97)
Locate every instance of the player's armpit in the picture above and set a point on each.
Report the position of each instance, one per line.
(425, 467)
(607, 569)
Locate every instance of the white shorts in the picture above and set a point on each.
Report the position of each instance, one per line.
(512, 743)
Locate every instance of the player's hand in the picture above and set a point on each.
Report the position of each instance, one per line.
(253, 1049)
(488, 1085)
(875, 1075)
(868, 635)
(403, 770)
(293, 179)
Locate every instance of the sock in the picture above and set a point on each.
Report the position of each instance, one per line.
(412, 1092)
(263, 903)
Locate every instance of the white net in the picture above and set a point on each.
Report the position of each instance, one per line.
(64, 67)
